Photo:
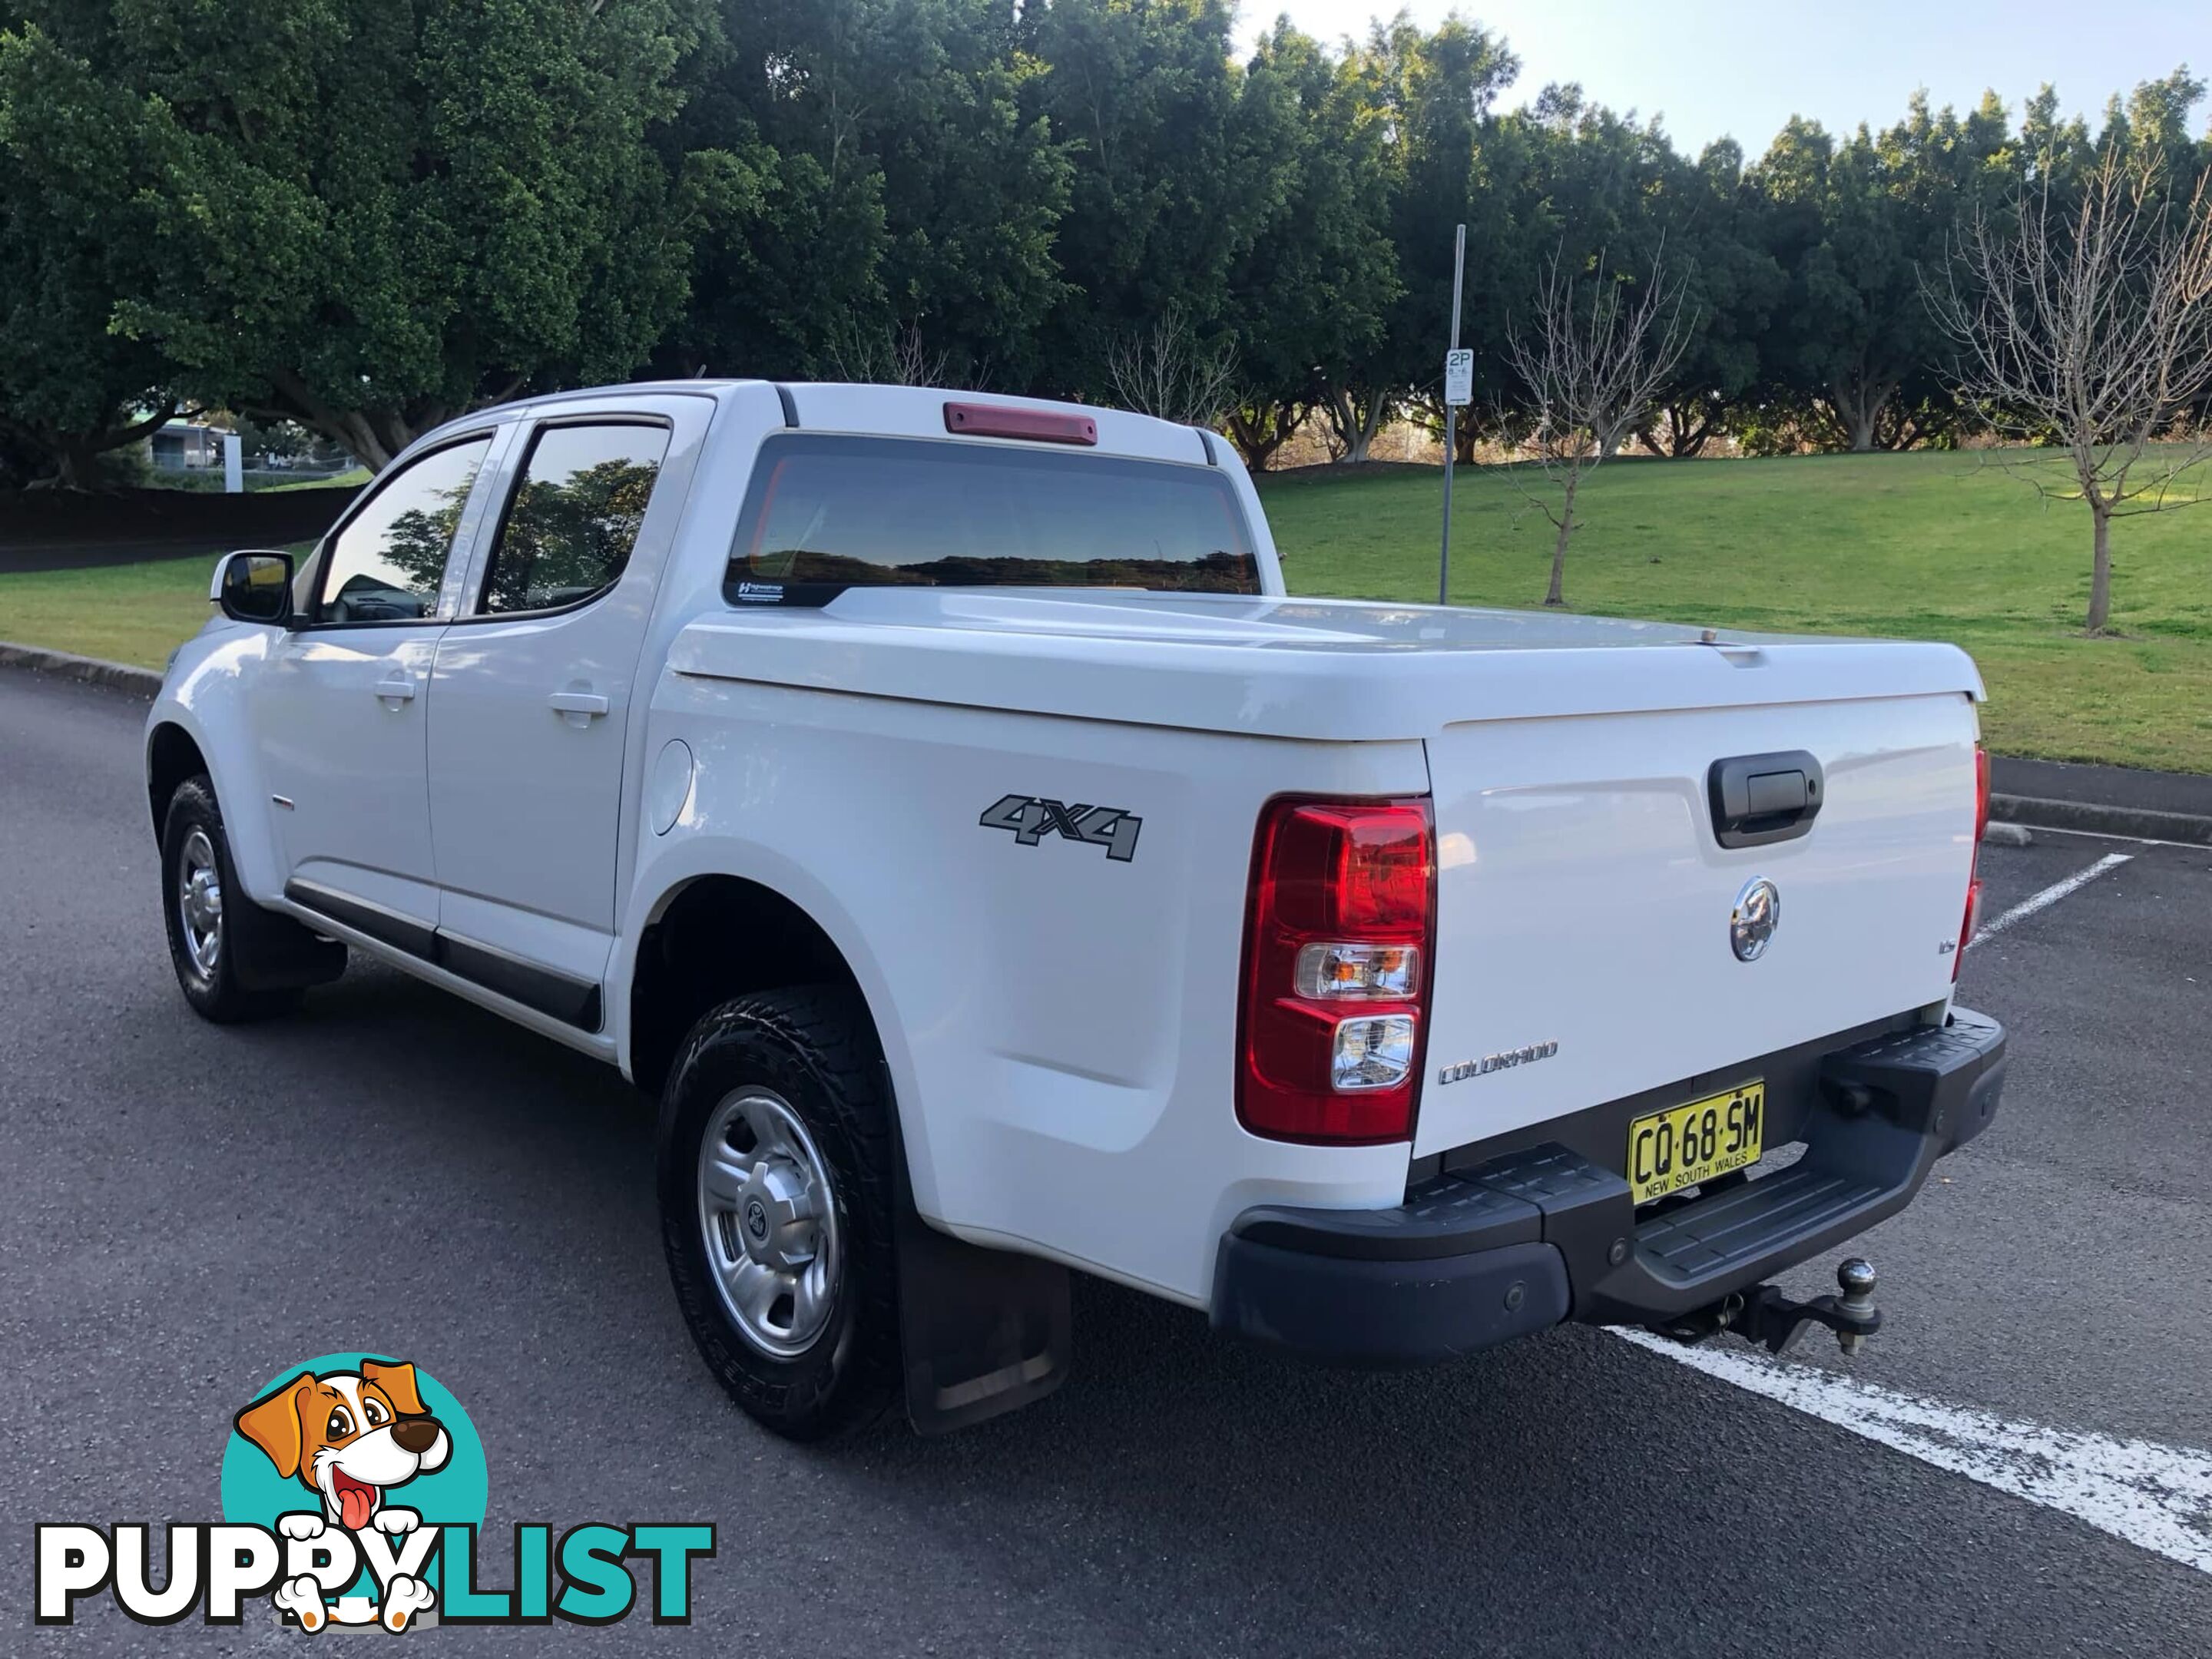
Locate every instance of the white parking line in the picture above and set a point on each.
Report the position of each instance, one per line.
(2050, 894)
(2132, 841)
(2157, 1498)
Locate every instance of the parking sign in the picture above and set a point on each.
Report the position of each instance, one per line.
(1459, 377)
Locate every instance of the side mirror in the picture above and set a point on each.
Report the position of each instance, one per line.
(254, 586)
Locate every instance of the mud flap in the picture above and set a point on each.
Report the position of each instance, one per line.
(275, 953)
(983, 1331)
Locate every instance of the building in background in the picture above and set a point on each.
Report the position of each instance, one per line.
(183, 446)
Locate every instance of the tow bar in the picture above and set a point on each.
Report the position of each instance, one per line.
(1767, 1318)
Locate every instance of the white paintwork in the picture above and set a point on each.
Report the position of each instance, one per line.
(1583, 900)
(2155, 1497)
(340, 719)
(669, 791)
(341, 729)
(527, 747)
(1060, 1028)
(1340, 670)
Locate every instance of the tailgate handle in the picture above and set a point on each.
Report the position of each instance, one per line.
(1760, 799)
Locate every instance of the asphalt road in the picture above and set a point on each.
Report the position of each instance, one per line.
(185, 1210)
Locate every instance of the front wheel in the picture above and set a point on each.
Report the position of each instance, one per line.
(202, 907)
(776, 1189)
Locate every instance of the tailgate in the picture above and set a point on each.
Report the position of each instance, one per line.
(1584, 902)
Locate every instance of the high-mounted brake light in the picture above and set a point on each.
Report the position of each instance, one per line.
(998, 420)
(1974, 869)
(1339, 946)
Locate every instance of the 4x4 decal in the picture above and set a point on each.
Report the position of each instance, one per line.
(1031, 818)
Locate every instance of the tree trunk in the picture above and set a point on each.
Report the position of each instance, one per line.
(1465, 436)
(368, 436)
(1261, 430)
(1859, 401)
(1371, 422)
(1861, 422)
(1687, 432)
(2101, 568)
(1556, 594)
(1342, 412)
(77, 463)
(76, 456)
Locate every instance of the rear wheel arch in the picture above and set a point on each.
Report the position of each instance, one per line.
(711, 939)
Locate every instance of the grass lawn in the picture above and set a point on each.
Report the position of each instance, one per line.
(133, 613)
(1929, 546)
(351, 478)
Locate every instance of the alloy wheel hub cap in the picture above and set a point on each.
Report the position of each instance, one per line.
(768, 1220)
(199, 903)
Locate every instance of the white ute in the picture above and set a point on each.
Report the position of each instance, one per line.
(937, 804)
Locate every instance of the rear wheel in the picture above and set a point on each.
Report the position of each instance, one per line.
(202, 905)
(776, 1206)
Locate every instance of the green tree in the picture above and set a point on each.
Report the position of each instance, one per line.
(1853, 226)
(1160, 207)
(916, 198)
(1311, 293)
(1732, 285)
(1449, 163)
(367, 217)
(72, 390)
(1596, 189)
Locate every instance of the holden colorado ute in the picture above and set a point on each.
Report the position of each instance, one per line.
(938, 804)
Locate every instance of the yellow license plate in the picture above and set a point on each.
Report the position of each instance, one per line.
(1684, 1144)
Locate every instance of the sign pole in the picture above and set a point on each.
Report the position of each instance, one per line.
(1459, 374)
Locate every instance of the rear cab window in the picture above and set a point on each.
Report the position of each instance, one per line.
(575, 516)
(826, 512)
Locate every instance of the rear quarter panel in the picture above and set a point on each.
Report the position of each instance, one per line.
(1060, 1027)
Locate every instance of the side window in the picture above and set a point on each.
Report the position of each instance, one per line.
(574, 517)
(386, 565)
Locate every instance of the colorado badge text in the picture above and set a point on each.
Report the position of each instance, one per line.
(1497, 1062)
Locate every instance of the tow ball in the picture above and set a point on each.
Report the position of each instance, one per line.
(1765, 1317)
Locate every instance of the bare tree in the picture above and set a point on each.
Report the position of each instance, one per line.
(885, 358)
(1593, 355)
(2089, 327)
(1166, 370)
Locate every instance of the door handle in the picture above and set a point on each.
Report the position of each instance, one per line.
(1760, 799)
(578, 702)
(399, 686)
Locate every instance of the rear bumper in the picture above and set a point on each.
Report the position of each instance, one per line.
(1505, 1246)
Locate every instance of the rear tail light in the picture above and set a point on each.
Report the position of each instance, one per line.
(1974, 870)
(1338, 948)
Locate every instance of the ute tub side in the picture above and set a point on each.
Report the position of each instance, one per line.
(1060, 1024)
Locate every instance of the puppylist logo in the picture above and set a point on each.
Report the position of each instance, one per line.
(353, 1489)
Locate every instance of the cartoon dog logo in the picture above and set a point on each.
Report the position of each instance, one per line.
(349, 1438)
